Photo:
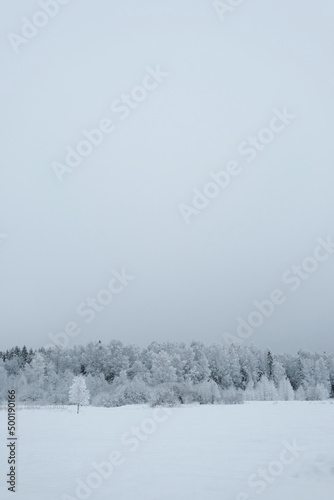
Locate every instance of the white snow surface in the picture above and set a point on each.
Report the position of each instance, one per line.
(196, 453)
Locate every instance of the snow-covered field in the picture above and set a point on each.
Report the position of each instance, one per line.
(186, 453)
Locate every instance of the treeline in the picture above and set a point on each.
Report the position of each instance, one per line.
(166, 373)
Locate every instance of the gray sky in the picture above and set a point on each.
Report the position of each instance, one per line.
(120, 208)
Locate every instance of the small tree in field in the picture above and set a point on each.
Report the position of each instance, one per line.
(78, 393)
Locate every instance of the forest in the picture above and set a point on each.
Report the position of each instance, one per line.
(165, 374)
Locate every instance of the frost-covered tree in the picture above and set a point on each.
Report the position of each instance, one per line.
(96, 384)
(317, 393)
(162, 369)
(209, 392)
(129, 392)
(300, 394)
(36, 370)
(330, 365)
(292, 366)
(22, 388)
(278, 372)
(285, 391)
(218, 364)
(249, 392)
(307, 372)
(36, 388)
(138, 369)
(321, 374)
(200, 371)
(3, 381)
(78, 393)
(270, 362)
(266, 390)
(234, 366)
(115, 359)
(248, 366)
(12, 365)
(232, 396)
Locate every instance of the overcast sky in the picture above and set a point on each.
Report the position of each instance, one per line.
(212, 81)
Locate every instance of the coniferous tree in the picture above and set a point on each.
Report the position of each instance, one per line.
(270, 363)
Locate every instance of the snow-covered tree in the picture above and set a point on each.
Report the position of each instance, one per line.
(249, 392)
(78, 393)
(317, 393)
(266, 390)
(218, 364)
(3, 381)
(200, 371)
(270, 362)
(96, 384)
(35, 372)
(300, 394)
(115, 359)
(285, 391)
(278, 372)
(207, 392)
(330, 365)
(321, 373)
(129, 392)
(162, 369)
(234, 366)
(138, 369)
(232, 396)
(35, 387)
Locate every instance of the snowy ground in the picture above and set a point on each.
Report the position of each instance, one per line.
(193, 453)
